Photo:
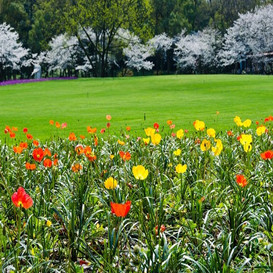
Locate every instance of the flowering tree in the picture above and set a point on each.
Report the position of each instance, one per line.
(137, 55)
(161, 44)
(12, 54)
(251, 36)
(63, 53)
(197, 50)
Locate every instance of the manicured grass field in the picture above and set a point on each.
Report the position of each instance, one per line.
(182, 98)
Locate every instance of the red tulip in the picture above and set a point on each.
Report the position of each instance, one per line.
(120, 210)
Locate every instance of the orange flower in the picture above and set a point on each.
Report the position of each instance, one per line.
(79, 149)
(72, 137)
(108, 117)
(47, 152)
(57, 124)
(229, 133)
(47, 163)
(128, 128)
(162, 229)
(76, 167)
(82, 137)
(35, 143)
(38, 154)
(120, 210)
(241, 180)
(7, 129)
(23, 145)
(96, 140)
(30, 166)
(15, 129)
(56, 162)
(267, 155)
(89, 154)
(125, 156)
(17, 149)
(91, 130)
(12, 135)
(21, 198)
(51, 122)
(29, 136)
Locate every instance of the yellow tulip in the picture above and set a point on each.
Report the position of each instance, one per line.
(180, 133)
(121, 142)
(211, 132)
(260, 130)
(149, 131)
(238, 121)
(181, 168)
(156, 138)
(146, 140)
(177, 152)
(199, 125)
(247, 123)
(205, 145)
(110, 183)
(140, 172)
(218, 148)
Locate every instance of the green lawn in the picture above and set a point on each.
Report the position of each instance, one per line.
(182, 98)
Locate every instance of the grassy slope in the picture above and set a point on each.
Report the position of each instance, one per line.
(180, 98)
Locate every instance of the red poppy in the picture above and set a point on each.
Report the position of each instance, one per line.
(12, 135)
(25, 130)
(120, 210)
(102, 131)
(108, 125)
(29, 136)
(47, 152)
(30, 166)
(267, 155)
(156, 125)
(35, 143)
(21, 198)
(241, 180)
(125, 156)
(38, 154)
(23, 145)
(47, 163)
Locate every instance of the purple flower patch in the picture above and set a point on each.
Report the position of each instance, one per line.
(10, 82)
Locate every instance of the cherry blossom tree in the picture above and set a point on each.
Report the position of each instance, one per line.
(198, 50)
(13, 56)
